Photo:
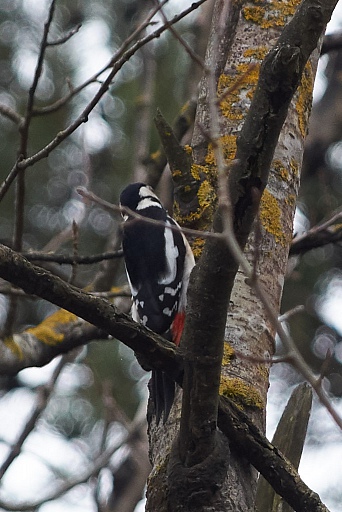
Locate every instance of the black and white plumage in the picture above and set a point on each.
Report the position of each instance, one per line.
(158, 263)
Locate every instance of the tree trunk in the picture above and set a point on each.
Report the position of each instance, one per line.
(242, 34)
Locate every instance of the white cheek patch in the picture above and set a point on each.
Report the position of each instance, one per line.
(146, 192)
(147, 203)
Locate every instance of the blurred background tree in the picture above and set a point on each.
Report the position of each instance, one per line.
(104, 154)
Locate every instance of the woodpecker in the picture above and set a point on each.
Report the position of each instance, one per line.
(158, 264)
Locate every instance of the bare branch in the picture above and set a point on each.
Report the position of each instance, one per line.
(160, 354)
(182, 41)
(11, 114)
(251, 443)
(95, 78)
(70, 260)
(97, 311)
(288, 314)
(327, 232)
(39, 66)
(44, 394)
(101, 461)
(289, 438)
(66, 37)
(158, 160)
(22, 164)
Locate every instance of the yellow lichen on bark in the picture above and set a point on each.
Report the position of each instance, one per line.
(176, 173)
(188, 149)
(197, 247)
(280, 170)
(256, 52)
(243, 82)
(304, 99)
(270, 217)
(228, 144)
(271, 14)
(228, 353)
(201, 217)
(207, 198)
(295, 167)
(48, 331)
(291, 199)
(241, 392)
(263, 371)
(155, 155)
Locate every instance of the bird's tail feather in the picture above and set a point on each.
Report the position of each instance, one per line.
(162, 393)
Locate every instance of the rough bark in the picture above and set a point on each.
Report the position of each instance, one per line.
(248, 330)
(199, 479)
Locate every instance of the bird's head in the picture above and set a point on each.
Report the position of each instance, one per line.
(139, 196)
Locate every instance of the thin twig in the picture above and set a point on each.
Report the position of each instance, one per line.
(288, 343)
(182, 41)
(66, 37)
(43, 396)
(11, 114)
(231, 241)
(229, 237)
(83, 117)
(95, 78)
(62, 259)
(263, 360)
(75, 239)
(83, 476)
(327, 232)
(137, 217)
(288, 314)
(20, 174)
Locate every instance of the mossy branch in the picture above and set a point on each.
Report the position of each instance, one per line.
(210, 290)
(247, 439)
(37, 281)
(158, 160)
(289, 438)
(178, 159)
(159, 354)
(279, 78)
(243, 435)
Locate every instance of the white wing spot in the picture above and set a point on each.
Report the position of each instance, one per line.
(161, 297)
(171, 254)
(173, 291)
(167, 311)
(134, 313)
